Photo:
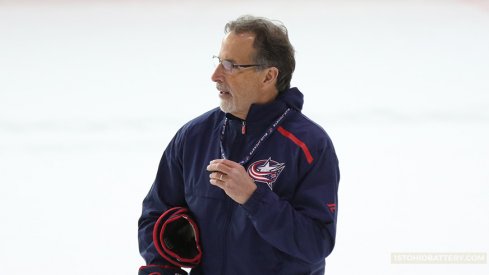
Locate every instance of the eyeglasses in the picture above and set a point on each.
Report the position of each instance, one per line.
(230, 66)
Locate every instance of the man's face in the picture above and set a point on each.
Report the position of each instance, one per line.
(241, 87)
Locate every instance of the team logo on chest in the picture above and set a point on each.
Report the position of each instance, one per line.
(266, 171)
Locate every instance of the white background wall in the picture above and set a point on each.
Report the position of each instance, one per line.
(92, 91)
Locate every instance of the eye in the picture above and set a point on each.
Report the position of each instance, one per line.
(228, 65)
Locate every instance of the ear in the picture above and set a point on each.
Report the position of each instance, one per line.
(270, 77)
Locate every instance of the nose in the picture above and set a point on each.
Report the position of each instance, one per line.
(217, 76)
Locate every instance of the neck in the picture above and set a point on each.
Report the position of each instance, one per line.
(241, 115)
(267, 98)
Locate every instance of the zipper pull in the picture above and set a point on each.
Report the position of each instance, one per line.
(243, 127)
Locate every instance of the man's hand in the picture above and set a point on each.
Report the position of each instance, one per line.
(232, 178)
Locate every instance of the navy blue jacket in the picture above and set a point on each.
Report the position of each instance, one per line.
(287, 226)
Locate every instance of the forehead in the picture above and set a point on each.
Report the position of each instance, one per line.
(237, 47)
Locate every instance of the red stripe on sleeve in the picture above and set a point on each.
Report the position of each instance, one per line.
(297, 141)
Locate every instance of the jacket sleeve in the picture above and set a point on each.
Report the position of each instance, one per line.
(305, 226)
(167, 191)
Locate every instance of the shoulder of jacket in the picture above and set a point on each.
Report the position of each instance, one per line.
(204, 122)
(301, 123)
(307, 131)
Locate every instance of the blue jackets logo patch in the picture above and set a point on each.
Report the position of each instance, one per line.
(266, 171)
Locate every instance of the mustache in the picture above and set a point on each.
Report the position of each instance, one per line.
(221, 87)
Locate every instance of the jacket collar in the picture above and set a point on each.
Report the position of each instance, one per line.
(263, 115)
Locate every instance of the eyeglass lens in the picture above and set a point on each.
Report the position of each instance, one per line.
(227, 65)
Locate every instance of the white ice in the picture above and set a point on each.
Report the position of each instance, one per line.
(92, 91)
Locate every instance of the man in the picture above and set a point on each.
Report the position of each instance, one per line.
(259, 177)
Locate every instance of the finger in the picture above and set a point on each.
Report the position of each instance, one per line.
(217, 176)
(226, 162)
(219, 167)
(217, 183)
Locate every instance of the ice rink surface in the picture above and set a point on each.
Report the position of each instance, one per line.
(91, 92)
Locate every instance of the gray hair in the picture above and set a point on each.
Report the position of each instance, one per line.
(272, 45)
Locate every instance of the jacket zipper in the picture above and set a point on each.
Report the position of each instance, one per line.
(243, 127)
(229, 205)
